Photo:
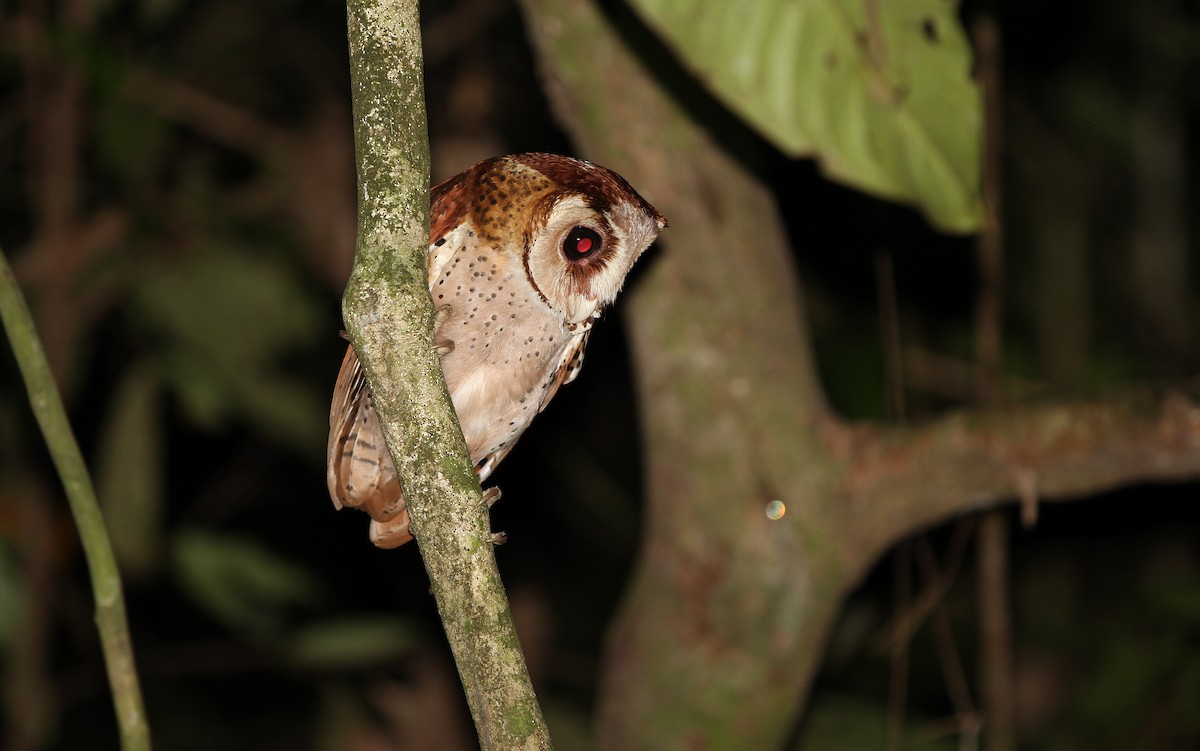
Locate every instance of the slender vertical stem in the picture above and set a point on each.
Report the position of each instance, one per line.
(995, 628)
(953, 673)
(889, 332)
(389, 317)
(898, 656)
(893, 349)
(106, 581)
(989, 249)
(995, 632)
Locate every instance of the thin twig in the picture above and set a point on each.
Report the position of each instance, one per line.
(905, 624)
(106, 580)
(893, 356)
(889, 331)
(898, 652)
(996, 690)
(947, 652)
(995, 631)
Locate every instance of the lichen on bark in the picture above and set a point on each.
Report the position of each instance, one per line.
(389, 317)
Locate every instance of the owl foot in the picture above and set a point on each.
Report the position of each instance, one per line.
(444, 347)
(499, 538)
(441, 313)
(490, 496)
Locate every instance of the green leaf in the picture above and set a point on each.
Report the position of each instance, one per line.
(878, 91)
(129, 471)
(240, 583)
(352, 642)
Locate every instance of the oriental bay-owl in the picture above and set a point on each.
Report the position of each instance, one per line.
(525, 251)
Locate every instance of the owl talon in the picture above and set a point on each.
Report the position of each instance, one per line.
(441, 313)
(490, 496)
(498, 538)
(444, 347)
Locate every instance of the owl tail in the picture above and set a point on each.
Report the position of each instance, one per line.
(360, 473)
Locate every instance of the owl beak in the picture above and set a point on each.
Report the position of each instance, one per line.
(580, 308)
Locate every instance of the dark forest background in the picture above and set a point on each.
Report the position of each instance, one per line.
(177, 198)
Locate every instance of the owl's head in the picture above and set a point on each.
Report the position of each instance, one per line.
(577, 227)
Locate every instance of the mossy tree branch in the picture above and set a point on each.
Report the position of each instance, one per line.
(389, 316)
(102, 565)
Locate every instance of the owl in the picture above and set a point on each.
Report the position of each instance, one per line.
(525, 252)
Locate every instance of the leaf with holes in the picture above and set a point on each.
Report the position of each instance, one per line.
(878, 92)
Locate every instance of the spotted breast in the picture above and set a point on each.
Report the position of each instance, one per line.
(525, 252)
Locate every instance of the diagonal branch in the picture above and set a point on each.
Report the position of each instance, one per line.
(900, 480)
(389, 316)
(102, 565)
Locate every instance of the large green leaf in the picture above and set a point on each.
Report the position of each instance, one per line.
(878, 91)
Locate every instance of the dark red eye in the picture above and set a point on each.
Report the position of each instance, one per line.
(581, 243)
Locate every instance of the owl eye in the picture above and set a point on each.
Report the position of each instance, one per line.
(581, 243)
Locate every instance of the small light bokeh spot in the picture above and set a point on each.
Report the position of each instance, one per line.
(776, 509)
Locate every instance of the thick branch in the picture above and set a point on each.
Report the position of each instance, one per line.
(900, 480)
(714, 644)
(390, 319)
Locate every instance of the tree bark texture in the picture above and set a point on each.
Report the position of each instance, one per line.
(389, 316)
(725, 622)
(725, 602)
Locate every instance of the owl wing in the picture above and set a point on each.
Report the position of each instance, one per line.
(360, 473)
(449, 201)
(569, 365)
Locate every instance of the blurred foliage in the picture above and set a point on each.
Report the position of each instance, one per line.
(239, 582)
(11, 595)
(1105, 632)
(848, 722)
(129, 468)
(223, 320)
(178, 202)
(351, 641)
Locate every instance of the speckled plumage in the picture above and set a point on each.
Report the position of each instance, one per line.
(525, 251)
